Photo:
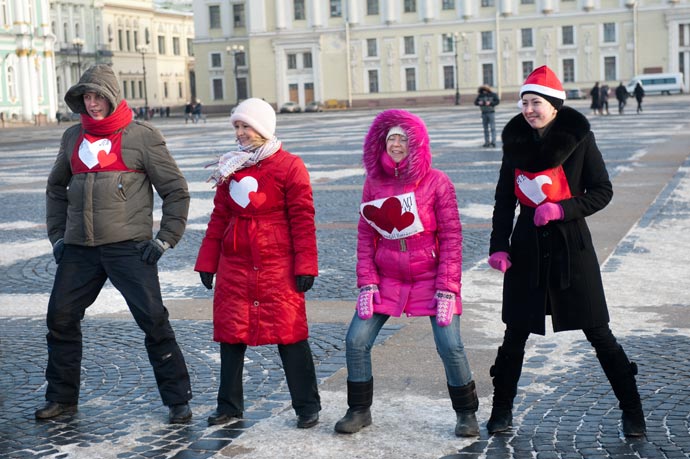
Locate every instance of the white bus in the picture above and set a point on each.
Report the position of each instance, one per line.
(658, 83)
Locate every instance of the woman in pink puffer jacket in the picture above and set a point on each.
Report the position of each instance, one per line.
(409, 260)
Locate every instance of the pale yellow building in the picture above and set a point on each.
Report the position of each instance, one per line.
(409, 52)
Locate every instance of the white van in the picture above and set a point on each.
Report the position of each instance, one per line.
(658, 83)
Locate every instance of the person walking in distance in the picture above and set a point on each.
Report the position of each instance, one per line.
(99, 216)
(409, 260)
(622, 97)
(547, 255)
(638, 92)
(486, 100)
(261, 243)
(595, 93)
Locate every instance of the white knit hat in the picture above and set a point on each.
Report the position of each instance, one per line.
(395, 130)
(258, 114)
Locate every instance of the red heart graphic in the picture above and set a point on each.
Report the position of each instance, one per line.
(257, 198)
(105, 159)
(389, 216)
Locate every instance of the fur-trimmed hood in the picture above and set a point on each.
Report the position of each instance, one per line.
(525, 150)
(418, 161)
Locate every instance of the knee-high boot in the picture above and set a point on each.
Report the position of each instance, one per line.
(359, 398)
(621, 374)
(465, 403)
(506, 373)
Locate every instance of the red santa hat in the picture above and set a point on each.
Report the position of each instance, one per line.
(542, 81)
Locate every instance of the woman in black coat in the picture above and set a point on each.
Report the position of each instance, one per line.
(554, 170)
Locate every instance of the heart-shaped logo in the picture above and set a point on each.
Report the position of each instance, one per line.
(532, 187)
(389, 216)
(240, 191)
(257, 198)
(96, 153)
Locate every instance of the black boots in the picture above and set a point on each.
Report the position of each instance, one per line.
(506, 373)
(52, 409)
(359, 398)
(465, 404)
(621, 374)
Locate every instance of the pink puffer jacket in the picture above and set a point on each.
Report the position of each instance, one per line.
(408, 269)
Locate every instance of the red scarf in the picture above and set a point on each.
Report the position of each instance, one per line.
(99, 147)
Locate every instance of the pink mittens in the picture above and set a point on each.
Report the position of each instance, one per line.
(368, 295)
(500, 261)
(547, 212)
(445, 307)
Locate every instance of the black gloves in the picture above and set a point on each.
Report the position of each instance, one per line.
(304, 283)
(58, 250)
(152, 251)
(206, 279)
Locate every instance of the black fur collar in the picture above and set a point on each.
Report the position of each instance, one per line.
(525, 150)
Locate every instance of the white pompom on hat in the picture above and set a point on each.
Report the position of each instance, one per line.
(258, 114)
(396, 130)
(544, 82)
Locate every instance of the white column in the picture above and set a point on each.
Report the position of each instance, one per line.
(256, 17)
(352, 11)
(389, 11)
(467, 9)
(428, 10)
(280, 6)
(314, 7)
(506, 7)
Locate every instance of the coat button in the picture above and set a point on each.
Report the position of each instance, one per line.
(545, 234)
(256, 303)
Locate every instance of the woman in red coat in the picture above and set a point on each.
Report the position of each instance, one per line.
(261, 241)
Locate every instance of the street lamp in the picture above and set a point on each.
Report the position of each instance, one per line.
(233, 51)
(142, 49)
(457, 38)
(78, 44)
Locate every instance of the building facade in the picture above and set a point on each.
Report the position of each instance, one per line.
(369, 53)
(27, 70)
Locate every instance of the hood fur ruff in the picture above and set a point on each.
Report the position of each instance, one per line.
(418, 161)
(526, 151)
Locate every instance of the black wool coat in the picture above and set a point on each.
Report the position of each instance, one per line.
(554, 267)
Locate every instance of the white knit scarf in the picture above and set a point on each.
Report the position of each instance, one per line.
(233, 161)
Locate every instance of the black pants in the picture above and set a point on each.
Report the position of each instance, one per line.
(300, 374)
(601, 338)
(80, 277)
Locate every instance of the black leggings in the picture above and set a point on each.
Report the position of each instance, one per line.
(601, 338)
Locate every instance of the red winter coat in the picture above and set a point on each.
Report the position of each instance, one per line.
(407, 270)
(260, 236)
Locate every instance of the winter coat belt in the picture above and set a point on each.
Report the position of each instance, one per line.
(273, 217)
(422, 241)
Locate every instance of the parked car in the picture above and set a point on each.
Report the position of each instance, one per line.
(658, 83)
(314, 106)
(290, 107)
(575, 93)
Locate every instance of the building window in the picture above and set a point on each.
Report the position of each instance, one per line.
(448, 5)
(242, 88)
(11, 84)
(487, 40)
(240, 59)
(568, 33)
(448, 77)
(214, 16)
(238, 15)
(410, 80)
(215, 61)
(128, 39)
(609, 32)
(133, 87)
(190, 47)
(165, 89)
(410, 6)
(120, 41)
(141, 89)
(373, 9)
(487, 3)
(136, 39)
(161, 44)
(176, 46)
(526, 35)
(447, 43)
(217, 88)
(373, 81)
(298, 6)
(527, 68)
(568, 70)
(125, 94)
(292, 61)
(179, 90)
(488, 74)
(306, 60)
(526, 2)
(336, 9)
(610, 68)
(372, 48)
(409, 45)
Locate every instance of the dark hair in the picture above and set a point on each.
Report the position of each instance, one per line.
(555, 101)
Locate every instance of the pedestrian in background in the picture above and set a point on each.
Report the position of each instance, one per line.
(638, 92)
(261, 243)
(197, 112)
(604, 100)
(409, 260)
(595, 93)
(188, 109)
(622, 97)
(99, 216)
(486, 100)
(547, 256)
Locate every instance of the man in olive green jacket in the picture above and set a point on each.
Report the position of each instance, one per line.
(99, 215)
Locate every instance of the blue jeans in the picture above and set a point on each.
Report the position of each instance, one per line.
(362, 334)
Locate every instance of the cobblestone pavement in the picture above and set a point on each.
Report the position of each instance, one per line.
(573, 414)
